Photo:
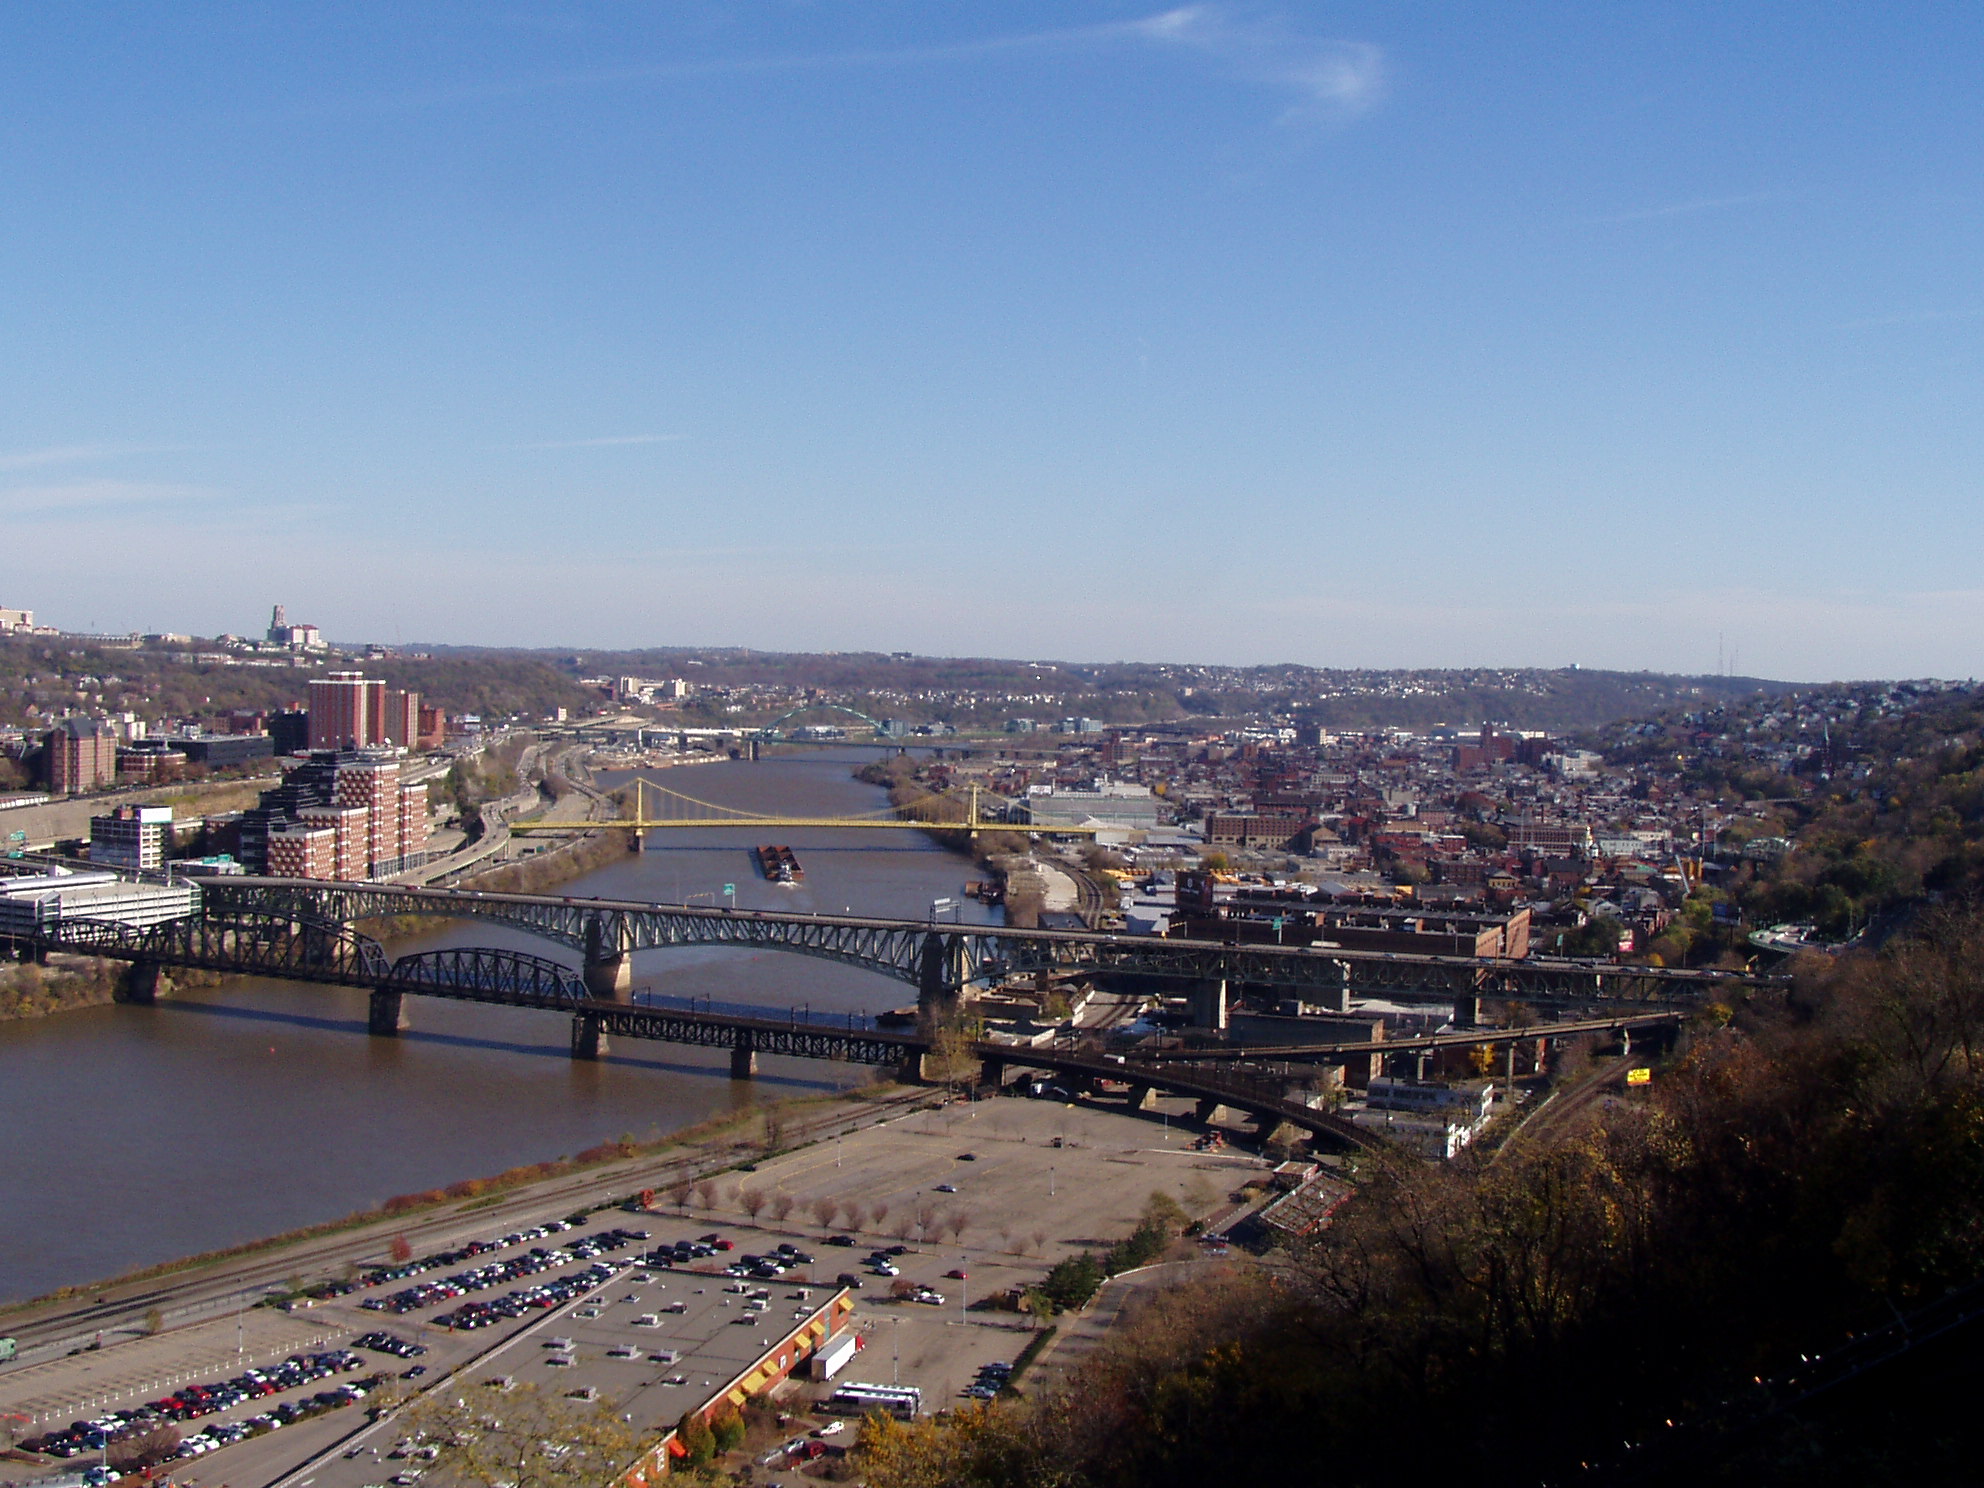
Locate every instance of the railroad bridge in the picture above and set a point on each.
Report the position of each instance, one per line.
(942, 960)
(307, 930)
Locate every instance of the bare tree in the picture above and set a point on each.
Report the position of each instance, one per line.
(926, 1219)
(1006, 1237)
(1037, 1241)
(679, 1196)
(856, 1215)
(752, 1200)
(534, 1441)
(782, 1205)
(957, 1222)
(825, 1207)
(878, 1212)
(706, 1193)
(903, 1225)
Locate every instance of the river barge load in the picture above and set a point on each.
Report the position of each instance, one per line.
(780, 866)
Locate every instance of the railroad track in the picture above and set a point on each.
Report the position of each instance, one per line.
(45, 1329)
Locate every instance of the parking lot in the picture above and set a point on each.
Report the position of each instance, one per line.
(968, 1201)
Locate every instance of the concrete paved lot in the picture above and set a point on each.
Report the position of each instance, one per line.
(1020, 1204)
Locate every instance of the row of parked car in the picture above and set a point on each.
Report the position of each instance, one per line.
(497, 1273)
(992, 1378)
(389, 1343)
(222, 1433)
(472, 1315)
(771, 1266)
(194, 1401)
(440, 1260)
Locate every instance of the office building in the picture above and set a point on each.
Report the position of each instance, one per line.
(132, 837)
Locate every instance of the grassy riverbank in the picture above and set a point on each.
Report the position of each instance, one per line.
(30, 991)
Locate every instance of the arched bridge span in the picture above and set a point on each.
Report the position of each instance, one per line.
(942, 960)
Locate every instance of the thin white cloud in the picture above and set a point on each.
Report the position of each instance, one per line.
(76, 496)
(1688, 208)
(1330, 78)
(77, 454)
(609, 441)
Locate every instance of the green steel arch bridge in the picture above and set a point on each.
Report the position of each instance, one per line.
(308, 930)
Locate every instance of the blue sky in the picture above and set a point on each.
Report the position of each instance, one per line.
(1390, 334)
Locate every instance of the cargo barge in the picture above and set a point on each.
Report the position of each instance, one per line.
(780, 866)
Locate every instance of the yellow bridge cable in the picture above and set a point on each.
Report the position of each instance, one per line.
(749, 816)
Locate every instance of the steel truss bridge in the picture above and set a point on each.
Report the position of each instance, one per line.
(942, 960)
(306, 930)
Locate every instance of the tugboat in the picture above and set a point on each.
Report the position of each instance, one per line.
(780, 866)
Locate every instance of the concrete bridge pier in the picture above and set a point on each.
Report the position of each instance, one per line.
(992, 1074)
(1467, 1010)
(1270, 1128)
(743, 1056)
(609, 973)
(139, 983)
(1334, 997)
(1209, 1005)
(1141, 1097)
(386, 1017)
(587, 1040)
(611, 979)
(939, 975)
(1212, 1109)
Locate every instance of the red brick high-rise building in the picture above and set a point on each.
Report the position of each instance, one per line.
(82, 756)
(375, 786)
(347, 711)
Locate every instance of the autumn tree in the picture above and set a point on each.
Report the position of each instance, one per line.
(530, 1440)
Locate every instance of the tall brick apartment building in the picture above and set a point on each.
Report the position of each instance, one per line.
(339, 814)
(82, 756)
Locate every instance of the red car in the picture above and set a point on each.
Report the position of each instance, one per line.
(958, 1273)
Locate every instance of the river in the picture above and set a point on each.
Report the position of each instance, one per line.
(132, 1135)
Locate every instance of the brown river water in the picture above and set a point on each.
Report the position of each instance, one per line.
(131, 1135)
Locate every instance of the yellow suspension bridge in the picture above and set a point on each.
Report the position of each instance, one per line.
(678, 812)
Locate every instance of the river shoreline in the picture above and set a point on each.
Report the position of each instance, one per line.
(715, 1146)
(256, 1111)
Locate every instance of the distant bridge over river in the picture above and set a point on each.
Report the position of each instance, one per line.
(307, 930)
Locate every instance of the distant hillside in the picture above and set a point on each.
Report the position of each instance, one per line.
(966, 690)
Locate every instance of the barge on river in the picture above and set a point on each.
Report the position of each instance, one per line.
(780, 866)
